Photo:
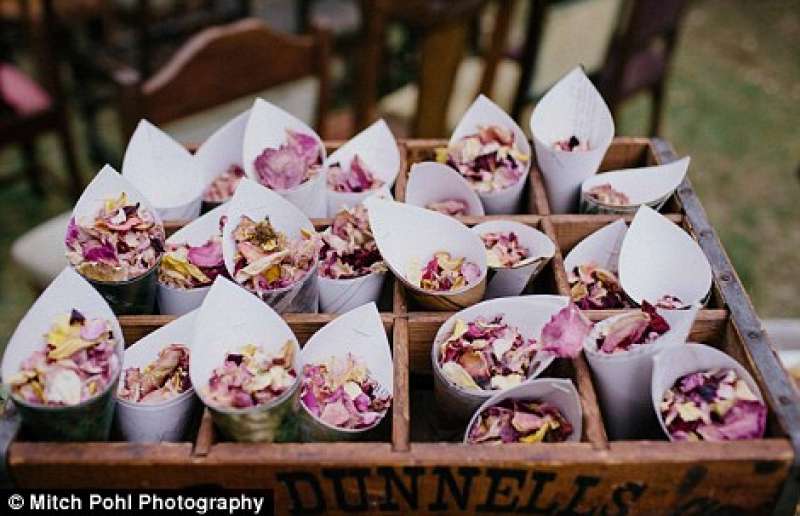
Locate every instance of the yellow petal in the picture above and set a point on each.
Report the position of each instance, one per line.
(458, 375)
(112, 203)
(689, 412)
(273, 273)
(180, 264)
(441, 154)
(538, 435)
(68, 348)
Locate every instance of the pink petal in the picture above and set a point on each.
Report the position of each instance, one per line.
(207, 255)
(566, 331)
(93, 328)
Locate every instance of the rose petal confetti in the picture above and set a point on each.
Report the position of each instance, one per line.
(443, 273)
(357, 178)
(224, 185)
(594, 288)
(186, 267)
(451, 207)
(503, 250)
(565, 332)
(348, 247)
(520, 421)
(605, 194)
(291, 164)
(161, 380)
(571, 144)
(632, 330)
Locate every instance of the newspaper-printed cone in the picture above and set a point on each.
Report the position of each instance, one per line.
(528, 314)
(258, 202)
(266, 128)
(165, 421)
(377, 148)
(511, 281)
(556, 391)
(87, 421)
(359, 332)
(230, 318)
(622, 379)
(572, 107)
(676, 362)
(220, 151)
(431, 182)
(601, 247)
(646, 185)
(659, 258)
(408, 236)
(137, 295)
(484, 112)
(177, 301)
(163, 170)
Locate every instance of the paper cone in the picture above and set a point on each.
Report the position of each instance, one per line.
(164, 171)
(156, 422)
(176, 301)
(659, 258)
(228, 319)
(559, 392)
(484, 112)
(221, 150)
(342, 295)
(408, 235)
(377, 148)
(511, 281)
(622, 379)
(571, 107)
(528, 314)
(258, 202)
(676, 362)
(601, 247)
(646, 185)
(138, 295)
(431, 182)
(359, 332)
(87, 421)
(266, 128)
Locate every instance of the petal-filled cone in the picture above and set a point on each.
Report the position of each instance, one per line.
(659, 258)
(359, 332)
(156, 422)
(164, 171)
(511, 281)
(431, 182)
(222, 149)
(557, 391)
(266, 128)
(377, 147)
(91, 419)
(676, 362)
(601, 247)
(105, 185)
(623, 379)
(528, 314)
(408, 236)
(229, 318)
(484, 112)
(176, 301)
(258, 202)
(646, 185)
(573, 107)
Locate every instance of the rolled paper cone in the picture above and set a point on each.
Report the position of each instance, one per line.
(511, 281)
(673, 363)
(556, 391)
(361, 333)
(431, 182)
(342, 295)
(164, 171)
(377, 148)
(228, 319)
(573, 107)
(156, 422)
(623, 379)
(528, 314)
(266, 128)
(484, 112)
(219, 152)
(652, 186)
(86, 421)
(659, 258)
(601, 247)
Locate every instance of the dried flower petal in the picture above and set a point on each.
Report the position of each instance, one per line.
(632, 330)
(224, 185)
(593, 288)
(669, 302)
(348, 247)
(442, 273)
(186, 267)
(489, 160)
(520, 421)
(291, 164)
(162, 380)
(504, 250)
(357, 178)
(451, 207)
(605, 194)
(565, 332)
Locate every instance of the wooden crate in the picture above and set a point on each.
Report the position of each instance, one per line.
(414, 468)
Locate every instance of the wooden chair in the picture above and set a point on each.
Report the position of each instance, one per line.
(221, 64)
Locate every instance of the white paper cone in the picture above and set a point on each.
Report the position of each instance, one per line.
(528, 314)
(156, 422)
(229, 318)
(109, 184)
(511, 281)
(258, 202)
(601, 247)
(572, 107)
(484, 112)
(176, 301)
(266, 128)
(558, 392)
(646, 185)
(377, 148)
(676, 362)
(622, 379)
(221, 150)
(164, 171)
(359, 332)
(342, 295)
(431, 182)
(659, 258)
(409, 236)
